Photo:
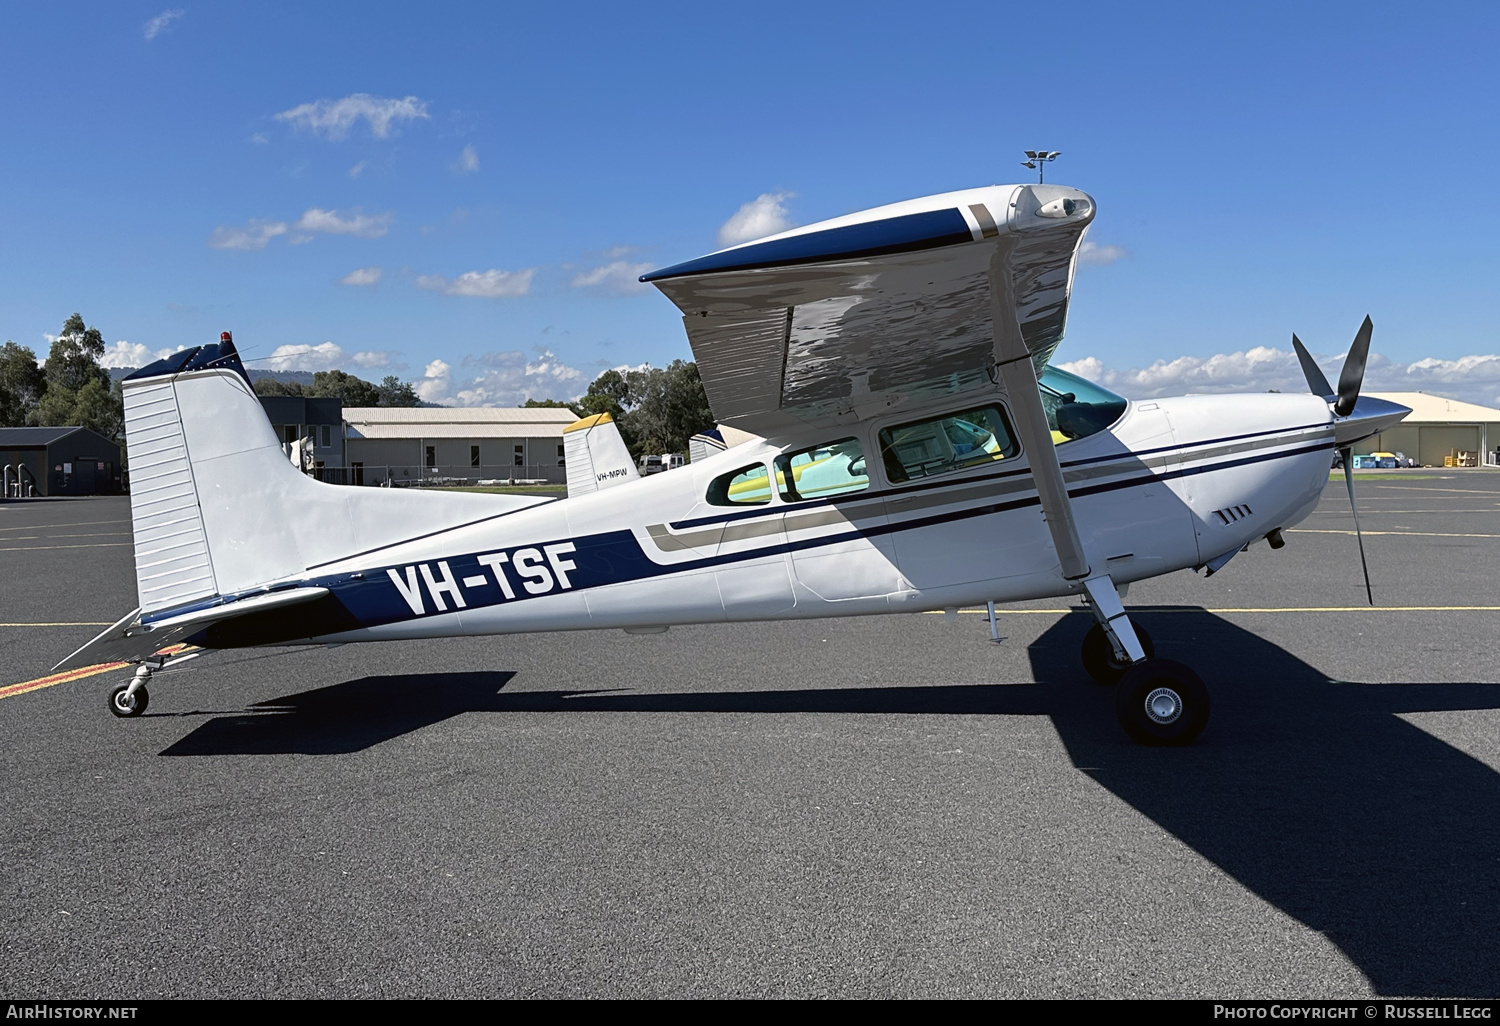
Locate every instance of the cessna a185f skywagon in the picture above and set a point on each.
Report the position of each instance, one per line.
(909, 448)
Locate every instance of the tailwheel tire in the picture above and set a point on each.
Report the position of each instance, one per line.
(125, 706)
(1162, 702)
(1099, 655)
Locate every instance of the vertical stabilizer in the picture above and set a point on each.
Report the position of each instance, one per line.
(705, 444)
(596, 455)
(218, 510)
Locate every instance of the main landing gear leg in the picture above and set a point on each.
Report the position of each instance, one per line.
(130, 699)
(1111, 624)
(1160, 701)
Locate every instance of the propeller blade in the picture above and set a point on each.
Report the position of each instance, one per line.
(1348, 453)
(1311, 371)
(1353, 374)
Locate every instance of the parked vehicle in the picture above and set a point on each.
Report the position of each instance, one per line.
(656, 464)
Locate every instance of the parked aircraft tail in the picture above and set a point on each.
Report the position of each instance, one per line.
(596, 455)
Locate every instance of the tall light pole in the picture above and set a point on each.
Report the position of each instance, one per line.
(1039, 161)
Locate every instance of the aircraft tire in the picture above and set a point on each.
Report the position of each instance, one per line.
(1162, 702)
(1099, 655)
(133, 706)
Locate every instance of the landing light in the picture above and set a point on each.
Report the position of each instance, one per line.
(1061, 207)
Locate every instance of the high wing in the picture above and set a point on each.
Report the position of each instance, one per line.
(841, 319)
(937, 296)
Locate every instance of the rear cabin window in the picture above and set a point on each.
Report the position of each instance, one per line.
(834, 468)
(749, 486)
(943, 445)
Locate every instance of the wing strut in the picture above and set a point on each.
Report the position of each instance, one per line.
(1017, 373)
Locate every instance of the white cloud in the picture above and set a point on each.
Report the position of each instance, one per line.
(334, 118)
(254, 235)
(158, 24)
(132, 354)
(1093, 253)
(358, 169)
(360, 225)
(1473, 379)
(361, 276)
(468, 161)
(260, 138)
(375, 359)
(491, 284)
(762, 216)
(502, 379)
(437, 380)
(306, 358)
(620, 277)
(1464, 370)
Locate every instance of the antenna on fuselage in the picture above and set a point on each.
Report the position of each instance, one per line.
(1038, 161)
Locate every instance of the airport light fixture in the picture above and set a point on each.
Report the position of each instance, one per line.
(1038, 161)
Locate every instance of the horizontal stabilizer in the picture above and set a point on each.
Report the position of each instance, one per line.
(596, 456)
(130, 640)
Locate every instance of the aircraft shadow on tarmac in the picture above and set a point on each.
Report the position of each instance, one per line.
(1313, 794)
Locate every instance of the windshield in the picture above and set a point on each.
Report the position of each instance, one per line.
(1077, 408)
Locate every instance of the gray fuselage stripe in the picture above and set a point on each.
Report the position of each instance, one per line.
(789, 520)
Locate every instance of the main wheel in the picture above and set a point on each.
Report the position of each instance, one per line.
(133, 705)
(1099, 655)
(1162, 702)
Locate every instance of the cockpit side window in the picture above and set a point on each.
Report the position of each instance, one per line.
(944, 445)
(834, 468)
(1076, 407)
(748, 486)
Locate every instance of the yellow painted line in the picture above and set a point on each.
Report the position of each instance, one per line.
(1346, 609)
(1411, 534)
(61, 623)
(81, 523)
(58, 678)
(1394, 512)
(78, 674)
(1421, 488)
(87, 534)
(94, 545)
(1245, 609)
(1003, 612)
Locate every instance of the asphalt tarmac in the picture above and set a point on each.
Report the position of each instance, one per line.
(888, 806)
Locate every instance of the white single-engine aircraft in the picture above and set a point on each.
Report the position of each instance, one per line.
(903, 446)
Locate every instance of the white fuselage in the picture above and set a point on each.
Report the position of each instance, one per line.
(1172, 484)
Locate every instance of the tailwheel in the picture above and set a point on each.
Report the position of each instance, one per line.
(1099, 655)
(123, 702)
(1162, 702)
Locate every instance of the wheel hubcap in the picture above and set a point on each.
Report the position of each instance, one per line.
(1163, 705)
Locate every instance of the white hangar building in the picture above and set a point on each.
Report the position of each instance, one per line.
(1437, 428)
(440, 445)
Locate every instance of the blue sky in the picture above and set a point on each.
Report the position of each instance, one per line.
(461, 194)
